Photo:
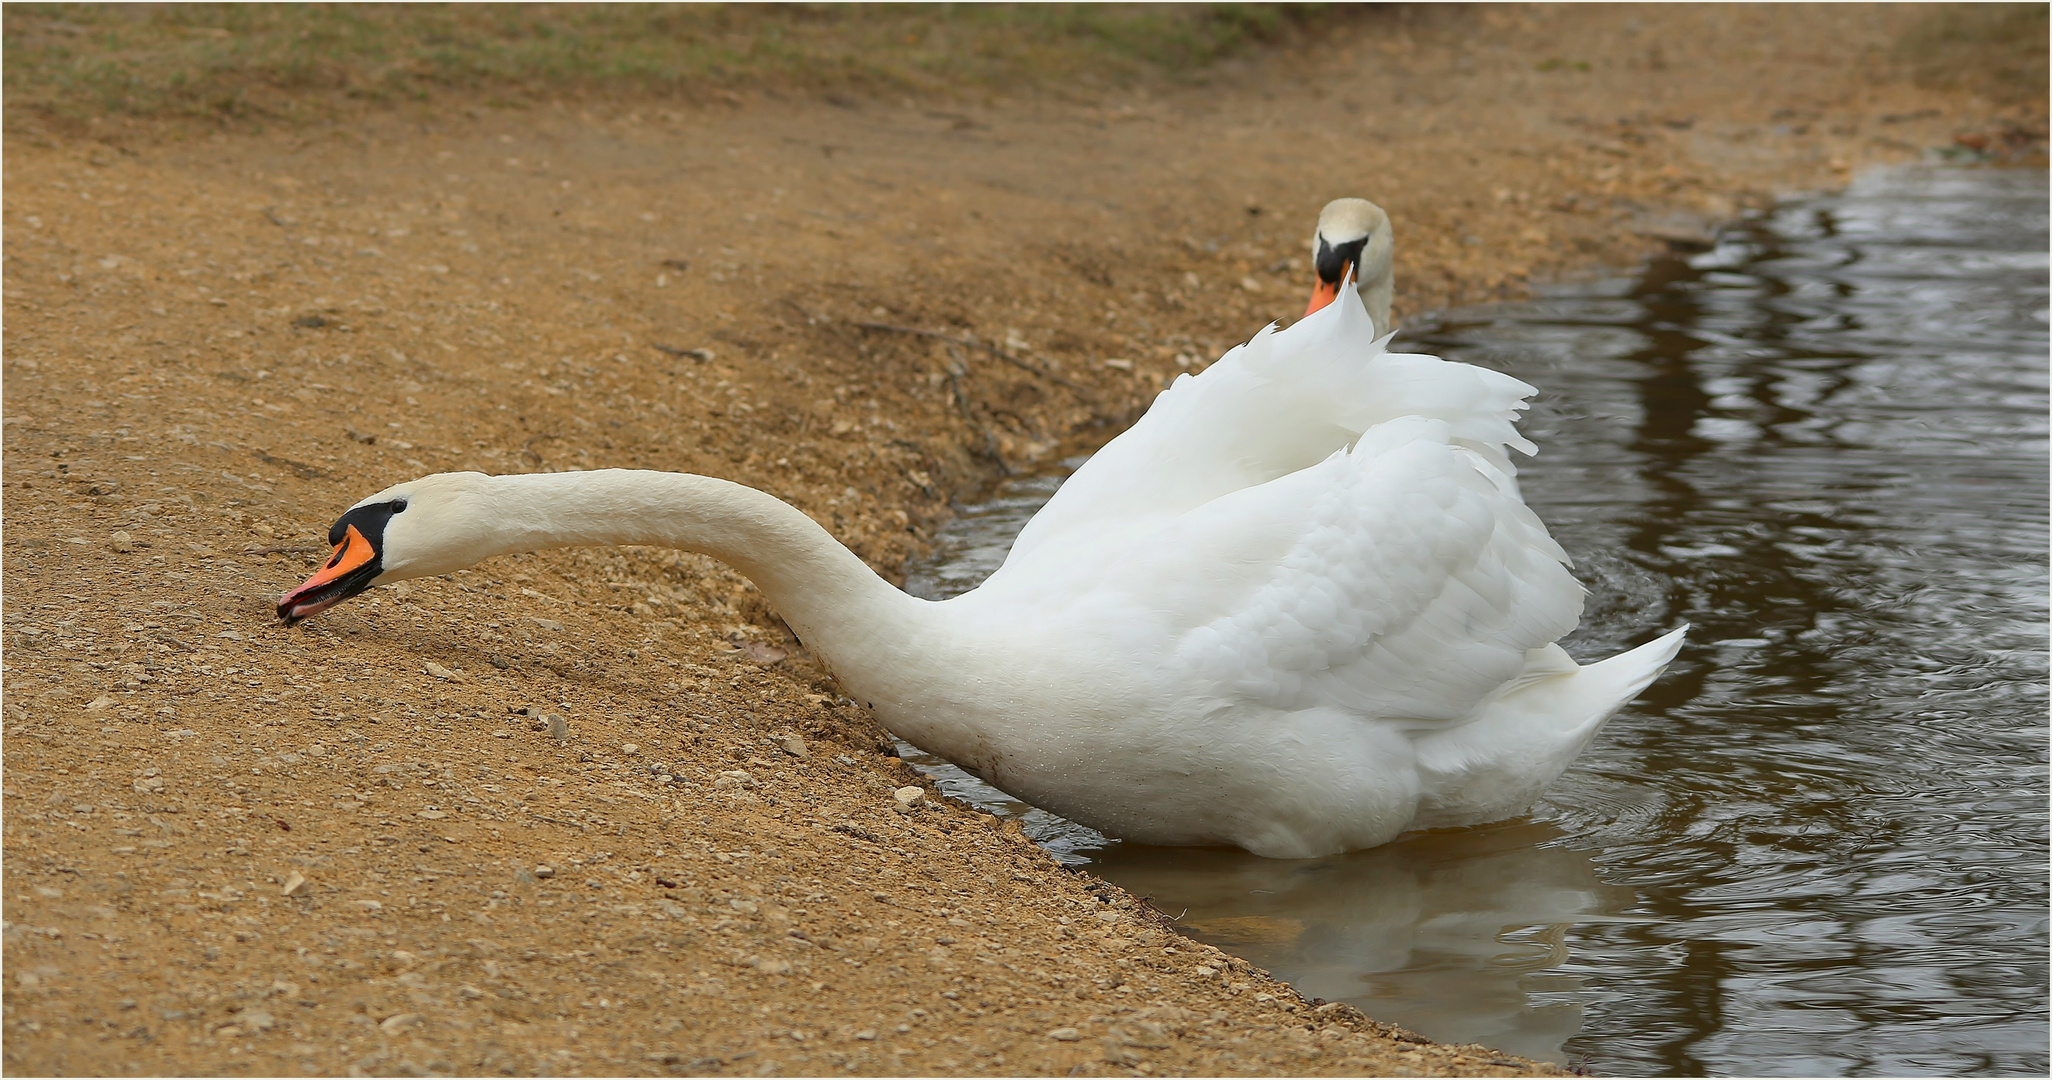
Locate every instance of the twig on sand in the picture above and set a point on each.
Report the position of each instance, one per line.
(974, 344)
(958, 367)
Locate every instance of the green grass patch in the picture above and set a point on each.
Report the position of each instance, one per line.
(227, 61)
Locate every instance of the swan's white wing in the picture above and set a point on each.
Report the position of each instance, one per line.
(1280, 403)
(1401, 580)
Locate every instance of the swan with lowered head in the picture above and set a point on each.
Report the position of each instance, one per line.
(1354, 238)
(1299, 607)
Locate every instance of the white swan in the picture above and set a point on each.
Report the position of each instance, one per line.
(1354, 236)
(1297, 608)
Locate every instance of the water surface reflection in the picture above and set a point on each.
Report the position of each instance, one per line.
(1468, 922)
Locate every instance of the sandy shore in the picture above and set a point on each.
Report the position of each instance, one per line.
(354, 846)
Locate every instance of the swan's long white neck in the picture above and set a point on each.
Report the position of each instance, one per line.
(1377, 282)
(851, 618)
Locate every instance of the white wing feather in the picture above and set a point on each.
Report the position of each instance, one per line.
(1412, 586)
(1280, 403)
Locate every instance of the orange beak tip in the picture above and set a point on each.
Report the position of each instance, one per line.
(331, 584)
(1325, 292)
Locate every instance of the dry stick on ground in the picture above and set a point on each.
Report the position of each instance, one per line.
(958, 366)
(974, 344)
(527, 446)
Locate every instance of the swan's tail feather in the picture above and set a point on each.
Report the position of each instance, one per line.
(1498, 765)
(1622, 677)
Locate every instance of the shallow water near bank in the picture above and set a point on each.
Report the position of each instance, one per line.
(1818, 845)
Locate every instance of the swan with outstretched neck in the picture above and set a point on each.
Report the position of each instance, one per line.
(1299, 607)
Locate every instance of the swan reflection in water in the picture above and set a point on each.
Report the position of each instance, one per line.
(1456, 934)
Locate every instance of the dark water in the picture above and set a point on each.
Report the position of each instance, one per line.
(1819, 845)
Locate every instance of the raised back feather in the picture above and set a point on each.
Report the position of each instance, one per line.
(1283, 401)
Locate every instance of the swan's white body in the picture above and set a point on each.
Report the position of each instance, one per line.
(1298, 608)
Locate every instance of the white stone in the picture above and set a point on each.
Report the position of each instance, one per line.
(400, 1022)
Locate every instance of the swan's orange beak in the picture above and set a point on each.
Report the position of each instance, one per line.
(1323, 293)
(341, 579)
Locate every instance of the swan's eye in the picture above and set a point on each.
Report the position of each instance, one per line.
(398, 505)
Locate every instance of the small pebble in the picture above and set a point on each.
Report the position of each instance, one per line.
(761, 653)
(440, 672)
(630, 749)
(559, 728)
(1065, 1035)
(256, 1020)
(544, 871)
(795, 747)
(294, 882)
(121, 541)
(866, 1034)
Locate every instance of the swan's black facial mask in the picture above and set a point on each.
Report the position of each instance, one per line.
(359, 539)
(1333, 261)
(1333, 266)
